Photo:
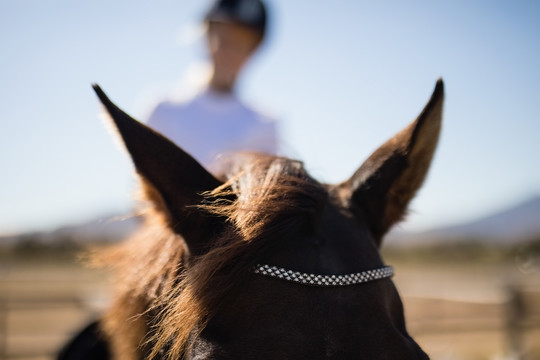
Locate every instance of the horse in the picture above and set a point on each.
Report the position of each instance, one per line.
(262, 261)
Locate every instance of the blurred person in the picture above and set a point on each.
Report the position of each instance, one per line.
(215, 121)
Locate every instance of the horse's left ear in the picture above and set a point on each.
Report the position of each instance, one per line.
(176, 179)
(381, 189)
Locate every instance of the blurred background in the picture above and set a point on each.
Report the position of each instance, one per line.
(341, 77)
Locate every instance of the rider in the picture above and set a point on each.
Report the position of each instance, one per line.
(215, 121)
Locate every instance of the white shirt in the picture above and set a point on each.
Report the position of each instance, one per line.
(211, 124)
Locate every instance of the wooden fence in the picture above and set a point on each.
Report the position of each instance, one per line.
(35, 323)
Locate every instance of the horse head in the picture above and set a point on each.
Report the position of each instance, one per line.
(269, 263)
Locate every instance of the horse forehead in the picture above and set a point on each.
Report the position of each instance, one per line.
(337, 245)
(340, 231)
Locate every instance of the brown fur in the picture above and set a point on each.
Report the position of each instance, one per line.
(173, 291)
(273, 195)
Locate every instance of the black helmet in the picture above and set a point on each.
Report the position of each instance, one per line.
(251, 13)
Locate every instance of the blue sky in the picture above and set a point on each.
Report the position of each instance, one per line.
(341, 77)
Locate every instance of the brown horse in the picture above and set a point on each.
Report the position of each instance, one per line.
(264, 262)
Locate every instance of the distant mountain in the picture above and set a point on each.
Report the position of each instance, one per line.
(112, 228)
(516, 224)
(109, 228)
(512, 225)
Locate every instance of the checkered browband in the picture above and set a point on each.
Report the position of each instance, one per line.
(325, 280)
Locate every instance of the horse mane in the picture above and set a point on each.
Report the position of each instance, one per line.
(264, 199)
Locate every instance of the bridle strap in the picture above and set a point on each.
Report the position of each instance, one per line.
(325, 280)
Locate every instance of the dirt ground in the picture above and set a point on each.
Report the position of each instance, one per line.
(454, 311)
(473, 311)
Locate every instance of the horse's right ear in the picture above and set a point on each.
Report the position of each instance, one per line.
(381, 189)
(175, 178)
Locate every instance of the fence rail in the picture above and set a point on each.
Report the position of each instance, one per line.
(35, 329)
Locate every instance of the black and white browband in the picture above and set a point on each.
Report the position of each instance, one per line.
(325, 280)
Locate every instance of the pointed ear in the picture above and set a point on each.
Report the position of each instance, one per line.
(173, 175)
(381, 189)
